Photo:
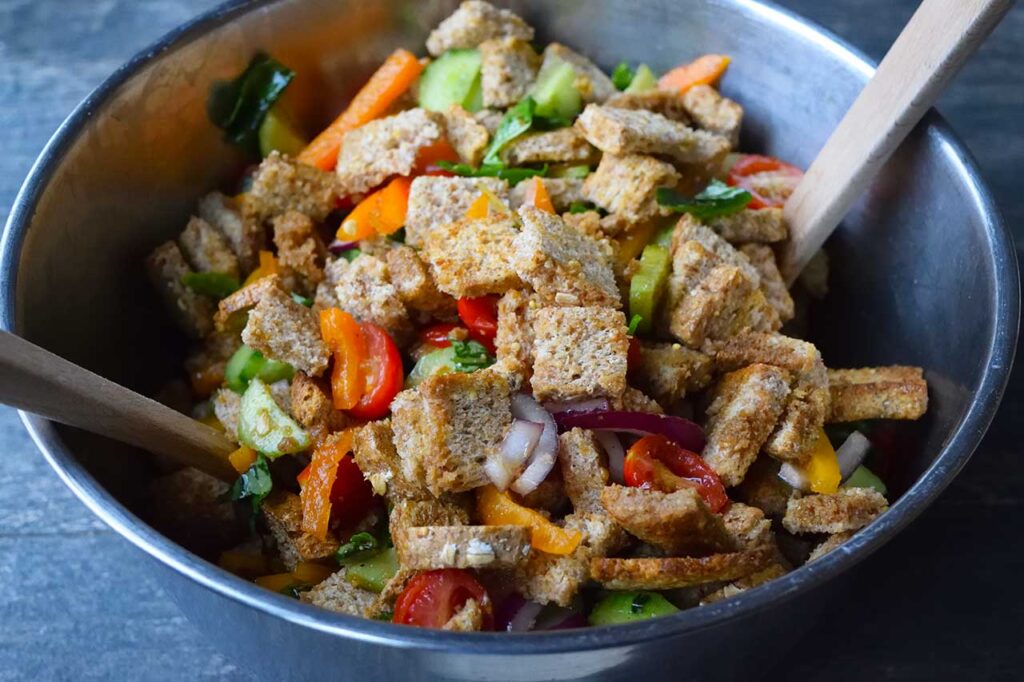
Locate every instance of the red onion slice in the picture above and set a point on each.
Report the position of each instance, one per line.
(578, 406)
(851, 453)
(337, 246)
(682, 432)
(616, 455)
(525, 618)
(516, 449)
(793, 476)
(542, 461)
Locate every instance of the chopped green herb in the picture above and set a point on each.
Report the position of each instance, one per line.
(253, 485)
(639, 602)
(216, 284)
(584, 206)
(351, 254)
(302, 300)
(493, 170)
(357, 544)
(622, 76)
(238, 107)
(634, 322)
(716, 200)
(516, 121)
(470, 356)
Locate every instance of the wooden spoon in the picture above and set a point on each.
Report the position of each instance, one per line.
(36, 380)
(932, 47)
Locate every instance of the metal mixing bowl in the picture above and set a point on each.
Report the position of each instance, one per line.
(923, 273)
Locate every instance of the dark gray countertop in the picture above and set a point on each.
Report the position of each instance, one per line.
(940, 602)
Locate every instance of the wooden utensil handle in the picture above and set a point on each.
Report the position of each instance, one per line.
(933, 46)
(37, 381)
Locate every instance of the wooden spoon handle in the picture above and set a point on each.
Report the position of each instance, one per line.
(36, 380)
(932, 47)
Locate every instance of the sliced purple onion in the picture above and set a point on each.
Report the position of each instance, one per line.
(794, 476)
(505, 609)
(682, 432)
(542, 460)
(525, 618)
(515, 450)
(337, 246)
(616, 455)
(851, 453)
(578, 406)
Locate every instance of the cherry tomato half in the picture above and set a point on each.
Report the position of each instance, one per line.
(351, 495)
(382, 370)
(436, 335)
(768, 180)
(481, 316)
(433, 597)
(656, 463)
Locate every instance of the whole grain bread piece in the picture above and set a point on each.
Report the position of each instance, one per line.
(339, 595)
(749, 582)
(206, 249)
(563, 266)
(668, 371)
(284, 330)
(579, 353)
(664, 102)
(245, 237)
(436, 201)
(281, 184)
(591, 82)
(762, 488)
(227, 318)
(712, 112)
(514, 338)
(563, 192)
(189, 507)
(383, 606)
(192, 312)
(472, 257)
(747, 526)
(848, 509)
(761, 226)
(635, 400)
(384, 147)
(773, 286)
(583, 470)
(374, 451)
(688, 230)
(282, 513)
(447, 427)
(312, 407)
(430, 547)
(468, 137)
(469, 618)
(562, 145)
(746, 405)
(473, 23)
(227, 407)
(508, 67)
(299, 248)
(549, 495)
(365, 291)
(415, 285)
(626, 185)
(895, 392)
(830, 543)
(677, 572)
(450, 510)
(678, 522)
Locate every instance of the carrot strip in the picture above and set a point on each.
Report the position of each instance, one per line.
(705, 70)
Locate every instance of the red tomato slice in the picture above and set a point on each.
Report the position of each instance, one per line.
(656, 463)
(769, 180)
(433, 597)
(383, 371)
(351, 495)
(633, 356)
(481, 316)
(436, 335)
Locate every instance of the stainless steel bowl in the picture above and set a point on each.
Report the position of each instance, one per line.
(923, 273)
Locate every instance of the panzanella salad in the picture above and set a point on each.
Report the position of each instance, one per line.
(501, 347)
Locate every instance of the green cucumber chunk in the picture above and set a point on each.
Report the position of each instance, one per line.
(372, 572)
(643, 81)
(265, 427)
(648, 285)
(862, 477)
(248, 364)
(278, 134)
(626, 607)
(555, 92)
(440, 361)
(452, 78)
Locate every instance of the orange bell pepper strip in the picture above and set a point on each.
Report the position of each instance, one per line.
(268, 266)
(312, 573)
(277, 582)
(381, 213)
(479, 209)
(398, 72)
(316, 493)
(246, 564)
(429, 156)
(344, 339)
(242, 458)
(497, 508)
(537, 195)
(705, 70)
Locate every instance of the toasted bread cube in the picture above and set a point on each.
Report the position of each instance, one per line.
(467, 136)
(469, 618)
(507, 70)
(325, 291)
(206, 249)
(772, 285)
(227, 406)
(763, 225)
(284, 330)
(848, 509)
(374, 451)
(429, 511)
(490, 119)
(795, 355)
(243, 299)
(245, 236)
(747, 526)
(583, 470)
(725, 303)
(714, 113)
(428, 547)
(579, 353)
(798, 429)
(896, 392)
(339, 595)
(591, 81)
(625, 185)
(746, 405)
(473, 257)
(562, 145)
(384, 147)
(514, 338)
(415, 286)
(551, 579)
(435, 201)
(637, 401)
(549, 496)
(563, 266)
(689, 230)
(601, 535)
(447, 427)
(282, 184)
(188, 506)
(638, 131)
(749, 582)
(762, 487)
(310, 404)
(365, 291)
(677, 572)
(299, 248)
(668, 371)
(664, 102)
(833, 541)
(473, 23)
(192, 312)
(562, 192)
(678, 522)
(282, 512)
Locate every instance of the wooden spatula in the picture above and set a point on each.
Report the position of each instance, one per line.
(932, 47)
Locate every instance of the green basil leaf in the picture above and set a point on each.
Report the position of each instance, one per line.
(470, 356)
(494, 170)
(516, 121)
(254, 485)
(716, 200)
(622, 76)
(216, 284)
(584, 206)
(238, 107)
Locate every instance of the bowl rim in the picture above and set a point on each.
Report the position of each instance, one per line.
(952, 457)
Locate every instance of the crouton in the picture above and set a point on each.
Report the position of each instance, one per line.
(384, 147)
(244, 236)
(563, 266)
(193, 313)
(206, 249)
(282, 184)
(689, 230)
(762, 487)
(435, 201)
(338, 594)
(429, 547)
(668, 371)
(310, 404)
(284, 330)
(601, 535)
(325, 296)
(749, 582)
(188, 506)
(896, 392)
(374, 451)
(626, 185)
(489, 119)
(798, 429)
(282, 512)
(678, 522)
(299, 248)
(638, 131)
(676, 572)
(365, 291)
(714, 113)
(763, 225)
(514, 337)
(848, 509)
(243, 299)
(551, 579)
(579, 353)
(507, 70)
(799, 357)
(415, 285)
(741, 416)
(469, 618)
(562, 192)
(832, 542)
(473, 256)
(664, 102)
(549, 495)
(227, 406)
(206, 363)
(747, 526)
(591, 81)
(562, 145)
(429, 511)
(773, 286)
(467, 136)
(473, 23)
(633, 400)
(447, 427)
(583, 470)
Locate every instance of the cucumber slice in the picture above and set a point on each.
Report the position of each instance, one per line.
(452, 78)
(626, 607)
(648, 285)
(440, 361)
(277, 134)
(643, 81)
(862, 477)
(265, 427)
(247, 364)
(555, 92)
(373, 572)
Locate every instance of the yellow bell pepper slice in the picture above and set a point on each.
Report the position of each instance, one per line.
(242, 458)
(497, 508)
(822, 468)
(268, 266)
